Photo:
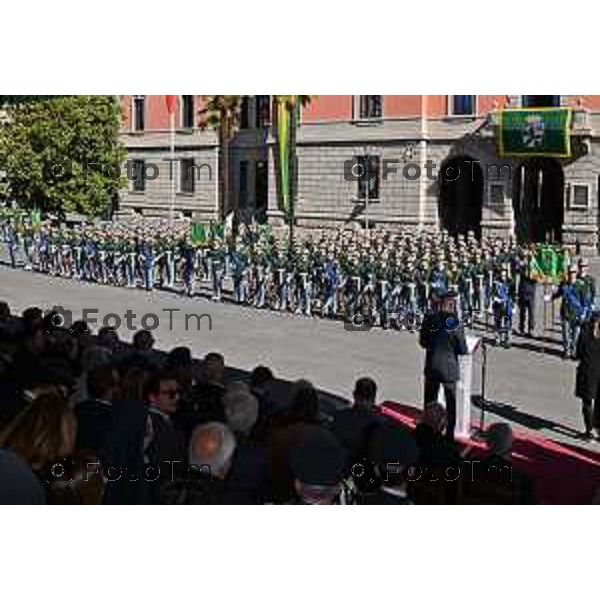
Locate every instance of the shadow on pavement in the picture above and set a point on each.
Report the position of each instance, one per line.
(511, 413)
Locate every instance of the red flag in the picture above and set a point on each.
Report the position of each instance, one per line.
(171, 102)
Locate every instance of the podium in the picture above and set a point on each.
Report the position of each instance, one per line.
(463, 389)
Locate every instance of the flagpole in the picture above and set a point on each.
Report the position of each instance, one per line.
(172, 204)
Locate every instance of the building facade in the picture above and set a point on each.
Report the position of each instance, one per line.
(382, 161)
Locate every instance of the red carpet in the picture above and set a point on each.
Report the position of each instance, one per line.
(563, 474)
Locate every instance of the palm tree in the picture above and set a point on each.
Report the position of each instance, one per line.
(222, 113)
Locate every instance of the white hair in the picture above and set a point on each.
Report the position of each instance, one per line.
(220, 455)
(241, 407)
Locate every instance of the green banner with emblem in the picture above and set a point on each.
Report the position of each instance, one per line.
(526, 132)
(548, 264)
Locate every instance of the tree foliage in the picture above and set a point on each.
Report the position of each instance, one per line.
(62, 154)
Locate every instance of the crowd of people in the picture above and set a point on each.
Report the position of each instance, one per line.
(88, 419)
(379, 278)
(72, 401)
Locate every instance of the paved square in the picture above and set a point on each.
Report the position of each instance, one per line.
(529, 385)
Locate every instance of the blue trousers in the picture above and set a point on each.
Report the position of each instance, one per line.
(188, 280)
(217, 278)
(260, 294)
(331, 303)
(148, 274)
(570, 334)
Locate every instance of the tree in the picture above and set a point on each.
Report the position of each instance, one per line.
(222, 113)
(63, 154)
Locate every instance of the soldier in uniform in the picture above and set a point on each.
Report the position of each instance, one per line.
(331, 282)
(147, 258)
(502, 307)
(384, 276)
(131, 254)
(466, 289)
(102, 256)
(238, 266)
(526, 298)
(188, 254)
(351, 286)
(261, 275)
(572, 311)
(12, 243)
(77, 255)
(217, 267)
(588, 289)
(438, 281)
(28, 244)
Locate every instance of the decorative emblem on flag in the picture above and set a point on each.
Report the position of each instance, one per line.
(525, 132)
(533, 131)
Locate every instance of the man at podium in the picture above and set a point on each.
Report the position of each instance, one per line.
(443, 339)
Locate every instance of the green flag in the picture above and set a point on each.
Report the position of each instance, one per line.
(528, 132)
(217, 231)
(198, 233)
(548, 264)
(36, 219)
(283, 122)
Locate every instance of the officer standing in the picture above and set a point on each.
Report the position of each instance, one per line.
(502, 308)
(331, 280)
(188, 252)
(12, 244)
(217, 267)
(147, 252)
(526, 298)
(587, 285)
(572, 311)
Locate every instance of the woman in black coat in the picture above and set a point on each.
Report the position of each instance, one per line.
(587, 386)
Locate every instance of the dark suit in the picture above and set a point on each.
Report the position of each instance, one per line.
(247, 480)
(587, 385)
(352, 426)
(443, 347)
(94, 425)
(167, 449)
(204, 406)
(526, 297)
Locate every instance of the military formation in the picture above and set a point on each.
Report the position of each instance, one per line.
(368, 278)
